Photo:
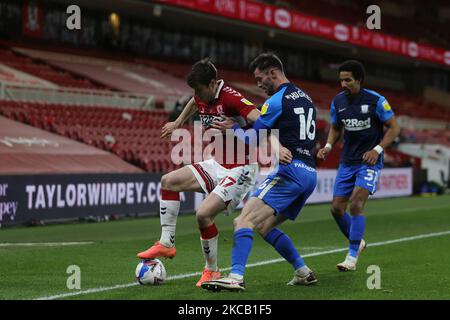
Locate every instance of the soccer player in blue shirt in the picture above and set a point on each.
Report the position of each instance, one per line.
(362, 115)
(284, 192)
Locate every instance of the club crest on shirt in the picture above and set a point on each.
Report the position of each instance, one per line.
(364, 108)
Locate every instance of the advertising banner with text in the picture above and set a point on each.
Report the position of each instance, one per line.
(27, 197)
(271, 16)
(393, 182)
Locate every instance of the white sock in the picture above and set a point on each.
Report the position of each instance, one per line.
(168, 213)
(236, 276)
(209, 249)
(303, 271)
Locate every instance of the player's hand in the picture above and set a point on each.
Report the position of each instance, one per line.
(168, 128)
(323, 153)
(370, 157)
(226, 123)
(285, 155)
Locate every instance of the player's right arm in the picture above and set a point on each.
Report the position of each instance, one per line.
(188, 111)
(334, 134)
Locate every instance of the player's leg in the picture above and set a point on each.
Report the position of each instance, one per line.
(283, 244)
(227, 194)
(303, 275)
(365, 185)
(340, 214)
(209, 235)
(252, 214)
(172, 184)
(233, 186)
(343, 187)
(274, 195)
(358, 225)
(358, 201)
(255, 212)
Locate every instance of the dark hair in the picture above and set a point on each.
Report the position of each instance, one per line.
(265, 61)
(202, 73)
(355, 67)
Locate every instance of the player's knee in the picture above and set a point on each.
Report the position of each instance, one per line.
(337, 211)
(202, 216)
(262, 229)
(169, 182)
(357, 207)
(242, 222)
(235, 222)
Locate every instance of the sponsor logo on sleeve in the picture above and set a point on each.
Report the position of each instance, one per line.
(264, 108)
(386, 106)
(245, 101)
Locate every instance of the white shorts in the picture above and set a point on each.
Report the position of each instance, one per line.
(231, 185)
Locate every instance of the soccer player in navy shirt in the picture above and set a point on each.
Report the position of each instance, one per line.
(362, 115)
(284, 192)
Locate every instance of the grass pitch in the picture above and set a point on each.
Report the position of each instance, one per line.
(416, 265)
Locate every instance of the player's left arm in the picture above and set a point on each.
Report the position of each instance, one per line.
(386, 115)
(393, 130)
(253, 115)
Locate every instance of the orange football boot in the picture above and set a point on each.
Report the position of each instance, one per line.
(158, 250)
(208, 275)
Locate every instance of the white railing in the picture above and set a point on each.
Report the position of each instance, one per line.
(71, 96)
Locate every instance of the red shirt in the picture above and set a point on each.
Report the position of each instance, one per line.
(232, 104)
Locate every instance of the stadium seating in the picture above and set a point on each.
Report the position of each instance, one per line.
(134, 134)
(131, 134)
(43, 70)
(427, 136)
(321, 92)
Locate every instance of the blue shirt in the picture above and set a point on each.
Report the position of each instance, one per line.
(362, 118)
(292, 112)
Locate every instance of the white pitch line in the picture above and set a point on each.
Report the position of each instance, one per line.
(261, 263)
(44, 244)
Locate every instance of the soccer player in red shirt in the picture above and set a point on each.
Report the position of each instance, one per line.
(226, 183)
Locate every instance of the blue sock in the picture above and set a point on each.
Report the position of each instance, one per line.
(285, 247)
(242, 245)
(356, 233)
(344, 223)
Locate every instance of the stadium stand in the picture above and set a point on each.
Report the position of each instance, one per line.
(29, 150)
(423, 29)
(134, 134)
(43, 70)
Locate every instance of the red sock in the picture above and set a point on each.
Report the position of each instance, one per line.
(209, 232)
(170, 195)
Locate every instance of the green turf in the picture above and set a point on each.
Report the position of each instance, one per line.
(416, 269)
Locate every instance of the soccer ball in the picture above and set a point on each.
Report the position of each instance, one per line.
(150, 272)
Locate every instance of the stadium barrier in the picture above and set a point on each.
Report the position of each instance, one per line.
(393, 182)
(27, 198)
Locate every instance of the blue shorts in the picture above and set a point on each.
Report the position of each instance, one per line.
(286, 189)
(361, 175)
